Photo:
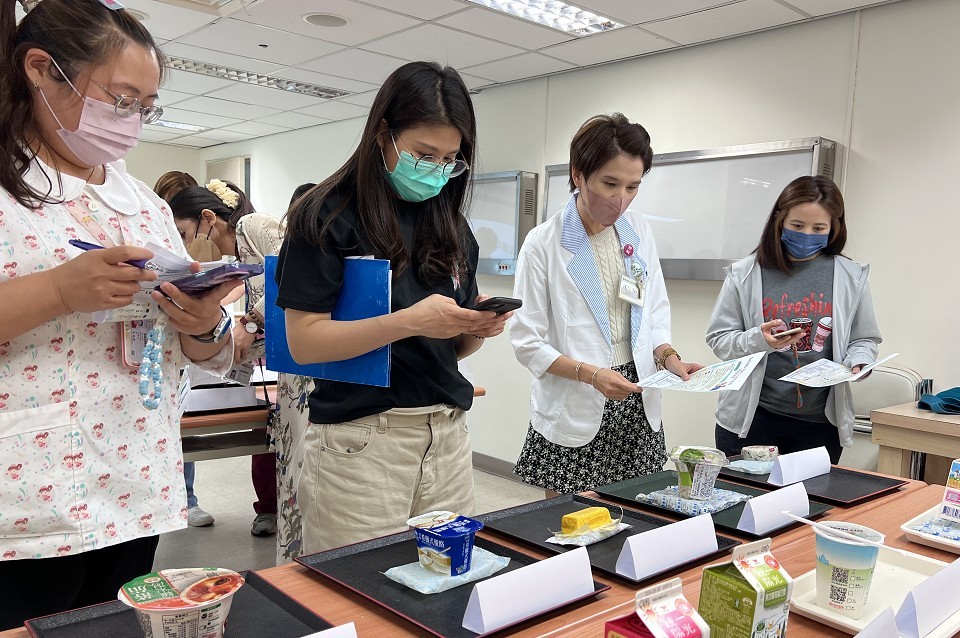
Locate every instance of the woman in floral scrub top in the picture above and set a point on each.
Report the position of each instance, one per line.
(89, 474)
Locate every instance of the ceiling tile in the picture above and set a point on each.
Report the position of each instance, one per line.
(424, 9)
(474, 82)
(356, 64)
(218, 57)
(169, 22)
(432, 42)
(193, 83)
(197, 141)
(290, 119)
(330, 81)
(228, 108)
(725, 21)
(223, 135)
(199, 119)
(245, 39)
(824, 7)
(609, 46)
(151, 134)
(364, 23)
(360, 99)
(256, 128)
(522, 66)
(505, 28)
(335, 110)
(265, 96)
(168, 98)
(635, 11)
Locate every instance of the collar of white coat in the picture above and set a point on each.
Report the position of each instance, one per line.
(116, 191)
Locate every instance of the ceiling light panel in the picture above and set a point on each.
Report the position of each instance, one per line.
(553, 14)
(258, 79)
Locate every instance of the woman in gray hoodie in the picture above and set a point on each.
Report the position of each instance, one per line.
(796, 278)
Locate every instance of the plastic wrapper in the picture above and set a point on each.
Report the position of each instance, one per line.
(669, 498)
(589, 537)
(417, 577)
(941, 528)
(752, 467)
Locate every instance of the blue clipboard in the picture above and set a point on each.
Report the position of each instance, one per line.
(365, 293)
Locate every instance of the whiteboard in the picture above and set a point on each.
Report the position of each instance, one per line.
(502, 211)
(707, 208)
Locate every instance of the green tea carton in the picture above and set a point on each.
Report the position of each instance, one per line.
(748, 597)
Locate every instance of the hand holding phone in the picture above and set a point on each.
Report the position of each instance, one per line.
(199, 283)
(499, 305)
(787, 333)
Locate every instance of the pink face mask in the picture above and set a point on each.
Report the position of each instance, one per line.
(103, 136)
(604, 210)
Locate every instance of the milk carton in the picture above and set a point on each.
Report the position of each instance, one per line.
(748, 597)
(662, 612)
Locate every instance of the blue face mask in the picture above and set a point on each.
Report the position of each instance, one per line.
(803, 245)
(410, 184)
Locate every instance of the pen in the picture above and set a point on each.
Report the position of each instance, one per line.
(85, 245)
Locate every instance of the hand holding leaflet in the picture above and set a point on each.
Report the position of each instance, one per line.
(823, 373)
(726, 375)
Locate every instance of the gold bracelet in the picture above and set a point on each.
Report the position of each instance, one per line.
(593, 379)
(577, 371)
(661, 361)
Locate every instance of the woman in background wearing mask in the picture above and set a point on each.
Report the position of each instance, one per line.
(216, 220)
(795, 278)
(374, 457)
(89, 443)
(585, 343)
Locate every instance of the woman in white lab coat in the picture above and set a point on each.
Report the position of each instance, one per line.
(595, 319)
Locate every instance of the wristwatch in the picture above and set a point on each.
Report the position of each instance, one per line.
(251, 326)
(221, 330)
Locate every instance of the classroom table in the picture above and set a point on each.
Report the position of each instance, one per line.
(902, 430)
(586, 619)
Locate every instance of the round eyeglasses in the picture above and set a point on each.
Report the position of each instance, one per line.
(126, 106)
(427, 164)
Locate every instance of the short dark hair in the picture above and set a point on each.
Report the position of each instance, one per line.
(604, 137)
(815, 189)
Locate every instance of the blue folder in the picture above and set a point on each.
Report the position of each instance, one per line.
(365, 293)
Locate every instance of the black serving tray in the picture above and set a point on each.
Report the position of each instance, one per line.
(532, 523)
(626, 492)
(258, 609)
(360, 568)
(841, 486)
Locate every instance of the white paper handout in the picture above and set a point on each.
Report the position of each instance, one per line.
(883, 626)
(664, 547)
(823, 372)
(765, 512)
(799, 466)
(926, 606)
(341, 631)
(511, 597)
(726, 375)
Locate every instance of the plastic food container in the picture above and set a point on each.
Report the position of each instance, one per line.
(759, 453)
(187, 603)
(697, 470)
(445, 541)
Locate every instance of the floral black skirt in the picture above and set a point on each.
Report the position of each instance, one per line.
(624, 447)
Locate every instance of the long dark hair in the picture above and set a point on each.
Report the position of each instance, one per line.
(604, 137)
(191, 201)
(815, 189)
(418, 93)
(78, 34)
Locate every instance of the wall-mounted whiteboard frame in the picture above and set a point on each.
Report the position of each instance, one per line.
(707, 207)
(502, 211)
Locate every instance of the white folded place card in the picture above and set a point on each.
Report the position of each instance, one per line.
(883, 626)
(511, 597)
(340, 631)
(799, 466)
(665, 547)
(930, 603)
(765, 512)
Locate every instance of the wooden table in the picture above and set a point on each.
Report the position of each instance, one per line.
(902, 430)
(793, 548)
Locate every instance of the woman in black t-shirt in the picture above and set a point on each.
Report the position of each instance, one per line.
(374, 457)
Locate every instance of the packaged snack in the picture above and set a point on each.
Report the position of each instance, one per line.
(697, 469)
(445, 541)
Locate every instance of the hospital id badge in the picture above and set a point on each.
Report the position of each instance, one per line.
(133, 339)
(631, 291)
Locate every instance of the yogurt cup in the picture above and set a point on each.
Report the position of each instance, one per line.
(445, 541)
(759, 453)
(845, 567)
(697, 470)
(187, 603)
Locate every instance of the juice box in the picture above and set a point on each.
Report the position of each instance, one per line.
(950, 506)
(662, 612)
(748, 597)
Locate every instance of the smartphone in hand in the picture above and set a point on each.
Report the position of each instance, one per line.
(499, 305)
(787, 333)
(201, 282)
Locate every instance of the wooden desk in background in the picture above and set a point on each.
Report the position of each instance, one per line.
(901, 430)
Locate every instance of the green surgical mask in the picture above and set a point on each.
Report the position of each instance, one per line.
(411, 184)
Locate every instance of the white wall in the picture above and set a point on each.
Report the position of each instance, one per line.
(882, 82)
(149, 161)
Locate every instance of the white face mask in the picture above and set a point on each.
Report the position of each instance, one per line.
(103, 136)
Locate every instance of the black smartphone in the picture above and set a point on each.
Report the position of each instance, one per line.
(499, 305)
(201, 282)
